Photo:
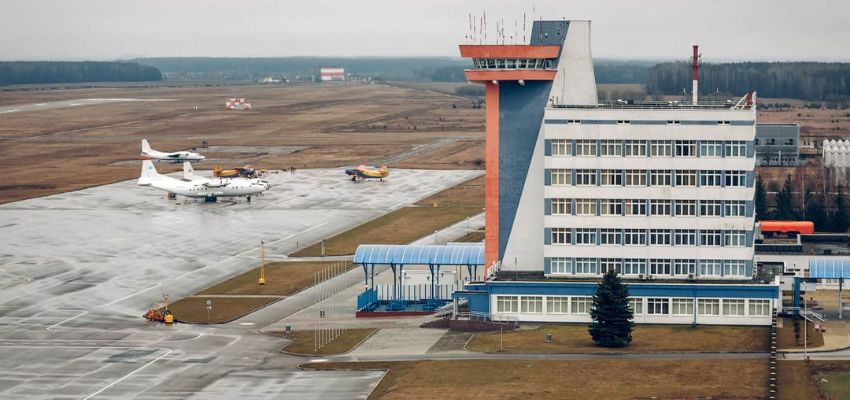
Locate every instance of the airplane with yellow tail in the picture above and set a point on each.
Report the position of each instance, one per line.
(363, 172)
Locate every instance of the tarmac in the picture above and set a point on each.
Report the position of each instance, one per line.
(77, 271)
(50, 105)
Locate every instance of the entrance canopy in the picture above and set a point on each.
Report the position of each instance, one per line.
(829, 267)
(452, 254)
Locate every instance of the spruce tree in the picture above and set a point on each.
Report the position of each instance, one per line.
(816, 212)
(841, 219)
(784, 202)
(761, 200)
(612, 318)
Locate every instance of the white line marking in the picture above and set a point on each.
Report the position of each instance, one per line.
(167, 352)
(66, 320)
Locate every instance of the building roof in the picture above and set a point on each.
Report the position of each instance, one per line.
(453, 254)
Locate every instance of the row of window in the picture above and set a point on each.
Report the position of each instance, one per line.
(652, 267)
(651, 237)
(644, 148)
(581, 305)
(643, 177)
(641, 122)
(512, 63)
(651, 207)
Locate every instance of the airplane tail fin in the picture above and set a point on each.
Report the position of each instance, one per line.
(146, 147)
(148, 173)
(188, 171)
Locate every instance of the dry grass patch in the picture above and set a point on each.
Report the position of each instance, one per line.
(193, 310)
(786, 338)
(471, 237)
(303, 342)
(585, 379)
(282, 279)
(646, 339)
(466, 194)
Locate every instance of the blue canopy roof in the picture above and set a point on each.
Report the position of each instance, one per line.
(829, 267)
(466, 254)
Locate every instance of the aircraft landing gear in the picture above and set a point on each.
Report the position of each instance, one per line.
(210, 199)
(248, 198)
(172, 196)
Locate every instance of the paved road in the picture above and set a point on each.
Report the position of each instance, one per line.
(79, 269)
(463, 355)
(50, 105)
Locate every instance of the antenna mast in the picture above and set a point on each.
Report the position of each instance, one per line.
(695, 61)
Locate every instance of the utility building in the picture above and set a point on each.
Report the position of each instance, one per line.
(331, 74)
(777, 144)
(662, 192)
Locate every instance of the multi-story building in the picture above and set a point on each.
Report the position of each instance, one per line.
(661, 192)
(777, 144)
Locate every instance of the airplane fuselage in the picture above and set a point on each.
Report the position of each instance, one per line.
(176, 157)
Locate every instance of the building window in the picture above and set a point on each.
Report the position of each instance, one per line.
(634, 266)
(562, 147)
(611, 207)
(586, 236)
(674, 122)
(736, 148)
(561, 236)
(708, 306)
(635, 207)
(562, 207)
(686, 208)
(609, 264)
(560, 265)
(661, 207)
(659, 267)
(709, 208)
(710, 267)
(557, 305)
(660, 177)
(610, 236)
(611, 177)
(507, 304)
(661, 148)
(586, 148)
(734, 268)
(585, 206)
(636, 305)
(686, 177)
(659, 237)
(735, 238)
(585, 265)
(611, 148)
(711, 148)
(686, 148)
(709, 238)
(733, 307)
(586, 177)
(635, 148)
(531, 304)
(580, 305)
(562, 177)
(736, 208)
(710, 178)
(685, 267)
(736, 178)
(635, 177)
(623, 122)
(635, 237)
(657, 306)
(724, 122)
(682, 306)
(760, 308)
(685, 237)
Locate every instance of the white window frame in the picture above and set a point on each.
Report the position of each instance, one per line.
(586, 207)
(635, 177)
(561, 177)
(580, 304)
(634, 237)
(660, 208)
(557, 304)
(686, 208)
(685, 237)
(611, 177)
(606, 264)
(735, 208)
(610, 207)
(531, 304)
(735, 148)
(711, 148)
(661, 177)
(561, 147)
(610, 237)
(711, 237)
(634, 266)
(585, 148)
(635, 207)
(586, 237)
(635, 148)
(759, 308)
(710, 208)
(734, 268)
(585, 177)
(586, 266)
(711, 267)
(661, 148)
(560, 265)
(708, 307)
(735, 238)
(660, 266)
(561, 236)
(686, 148)
(711, 178)
(684, 267)
(657, 306)
(562, 206)
(733, 307)
(660, 237)
(610, 148)
(636, 305)
(507, 304)
(686, 177)
(681, 306)
(736, 178)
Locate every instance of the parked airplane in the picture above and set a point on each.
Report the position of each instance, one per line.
(189, 175)
(208, 189)
(364, 172)
(245, 171)
(177, 156)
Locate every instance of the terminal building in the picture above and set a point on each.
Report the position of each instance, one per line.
(661, 192)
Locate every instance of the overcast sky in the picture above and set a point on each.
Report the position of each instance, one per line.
(647, 29)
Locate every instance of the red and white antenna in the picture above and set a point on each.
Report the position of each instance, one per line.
(695, 61)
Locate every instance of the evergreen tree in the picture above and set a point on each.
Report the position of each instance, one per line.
(816, 212)
(612, 318)
(761, 200)
(784, 202)
(840, 220)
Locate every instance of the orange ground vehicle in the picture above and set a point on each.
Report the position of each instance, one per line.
(772, 228)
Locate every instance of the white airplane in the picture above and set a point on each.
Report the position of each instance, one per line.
(208, 189)
(189, 176)
(177, 156)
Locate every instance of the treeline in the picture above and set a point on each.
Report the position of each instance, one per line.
(829, 213)
(30, 72)
(433, 69)
(793, 80)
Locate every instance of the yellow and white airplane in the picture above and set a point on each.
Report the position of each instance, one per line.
(363, 172)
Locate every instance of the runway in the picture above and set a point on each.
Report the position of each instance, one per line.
(77, 271)
(51, 105)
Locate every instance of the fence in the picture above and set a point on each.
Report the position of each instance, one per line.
(414, 292)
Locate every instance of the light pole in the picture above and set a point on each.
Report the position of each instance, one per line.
(805, 332)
